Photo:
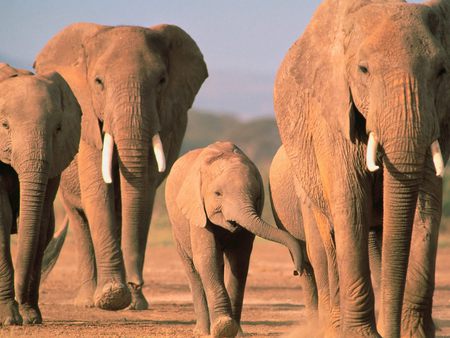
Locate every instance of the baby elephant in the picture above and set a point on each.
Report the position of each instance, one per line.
(39, 136)
(214, 198)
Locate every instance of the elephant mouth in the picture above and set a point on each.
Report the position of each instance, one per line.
(233, 226)
(371, 155)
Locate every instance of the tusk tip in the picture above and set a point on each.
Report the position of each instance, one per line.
(107, 180)
(373, 168)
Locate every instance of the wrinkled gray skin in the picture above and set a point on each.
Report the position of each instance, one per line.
(380, 67)
(39, 135)
(214, 199)
(292, 211)
(132, 83)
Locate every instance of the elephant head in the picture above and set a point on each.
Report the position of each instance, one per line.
(225, 188)
(377, 72)
(134, 86)
(39, 135)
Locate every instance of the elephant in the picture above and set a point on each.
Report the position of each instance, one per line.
(362, 106)
(214, 198)
(39, 134)
(135, 86)
(292, 212)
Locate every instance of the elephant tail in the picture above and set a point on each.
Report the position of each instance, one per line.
(53, 250)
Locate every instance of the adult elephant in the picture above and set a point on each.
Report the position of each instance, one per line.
(134, 85)
(371, 77)
(39, 135)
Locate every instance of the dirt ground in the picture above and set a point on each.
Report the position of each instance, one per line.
(273, 301)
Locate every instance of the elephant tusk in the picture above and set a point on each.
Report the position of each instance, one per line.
(159, 152)
(371, 157)
(107, 153)
(437, 158)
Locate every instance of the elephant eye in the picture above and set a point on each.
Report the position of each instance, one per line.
(363, 68)
(217, 193)
(5, 125)
(58, 128)
(442, 72)
(162, 80)
(99, 81)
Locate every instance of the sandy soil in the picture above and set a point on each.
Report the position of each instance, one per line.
(273, 301)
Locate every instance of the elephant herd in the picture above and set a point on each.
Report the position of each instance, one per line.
(362, 104)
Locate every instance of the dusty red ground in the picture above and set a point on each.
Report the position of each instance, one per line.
(273, 301)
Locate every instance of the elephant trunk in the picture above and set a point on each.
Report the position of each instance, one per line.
(33, 177)
(399, 203)
(133, 164)
(250, 221)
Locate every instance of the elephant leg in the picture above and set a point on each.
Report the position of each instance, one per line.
(98, 202)
(316, 290)
(351, 219)
(418, 301)
(86, 270)
(208, 261)
(30, 309)
(237, 260)
(9, 311)
(375, 238)
(134, 255)
(198, 294)
(325, 230)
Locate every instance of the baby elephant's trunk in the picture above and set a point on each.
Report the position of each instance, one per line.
(253, 223)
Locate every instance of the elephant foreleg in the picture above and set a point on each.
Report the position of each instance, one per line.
(418, 301)
(98, 202)
(9, 312)
(208, 261)
(237, 260)
(351, 217)
(324, 228)
(198, 294)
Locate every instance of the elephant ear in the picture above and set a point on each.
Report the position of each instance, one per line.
(186, 73)
(6, 72)
(441, 29)
(312, 77)
(189, 199)
(65, 145)
(65, 53)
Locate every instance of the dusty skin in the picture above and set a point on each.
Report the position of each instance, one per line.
(273, 305)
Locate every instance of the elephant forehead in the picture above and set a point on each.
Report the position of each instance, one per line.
(383, 23)
(20, 94)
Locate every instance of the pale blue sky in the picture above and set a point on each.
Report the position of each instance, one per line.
(243, 41)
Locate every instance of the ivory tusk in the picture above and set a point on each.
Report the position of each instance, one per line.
(437, 158)
(371, 157)
(159, 152)
(107, 153)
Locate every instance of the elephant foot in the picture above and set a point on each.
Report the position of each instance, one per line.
(224, 326)
(85, 296)
(138, 301)
(31, 314)
(201, 332)
(9, 313)
(416, 324)
(360, 332)
(112, 296)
